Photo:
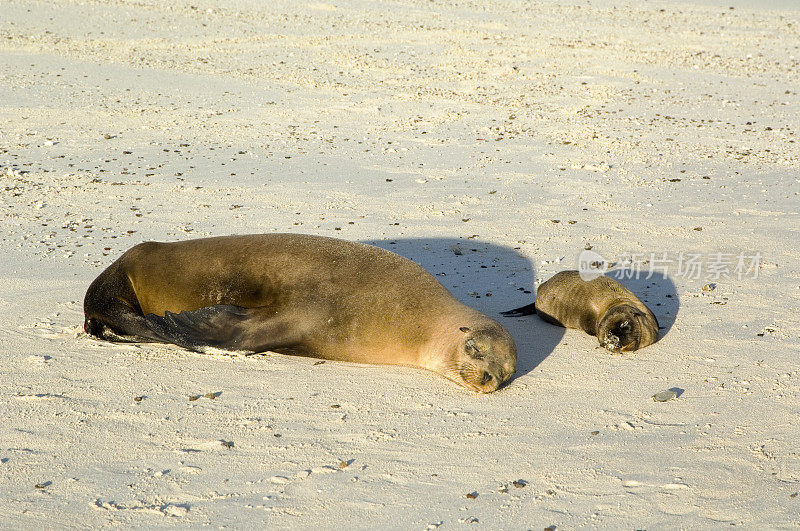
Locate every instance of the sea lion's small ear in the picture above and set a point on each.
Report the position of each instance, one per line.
(472, 349)
(464, 329)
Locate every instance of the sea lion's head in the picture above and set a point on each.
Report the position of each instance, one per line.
(484, 358)
(625, 328)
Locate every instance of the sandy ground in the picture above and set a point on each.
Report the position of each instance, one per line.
(521, 132)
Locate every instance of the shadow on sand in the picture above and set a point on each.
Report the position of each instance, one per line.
(490, 278)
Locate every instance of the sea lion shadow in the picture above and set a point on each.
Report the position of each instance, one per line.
(657, 292)
(490, 278)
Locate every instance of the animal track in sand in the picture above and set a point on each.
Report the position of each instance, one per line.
(626, 426)
(167, 509)
(676, 497)
(38, 396)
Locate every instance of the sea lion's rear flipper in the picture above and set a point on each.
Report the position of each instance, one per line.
(528, 309)
(222, 326)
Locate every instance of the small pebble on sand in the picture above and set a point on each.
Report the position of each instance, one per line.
(665, 396)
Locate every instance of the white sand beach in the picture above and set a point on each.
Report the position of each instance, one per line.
(519, 133)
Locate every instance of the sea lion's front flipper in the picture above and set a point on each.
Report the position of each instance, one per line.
(528, 309)
(222, 326)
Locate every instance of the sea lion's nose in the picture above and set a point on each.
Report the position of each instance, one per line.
(486, 378)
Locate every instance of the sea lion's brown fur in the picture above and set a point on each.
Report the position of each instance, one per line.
(602, 307)
(297, 294)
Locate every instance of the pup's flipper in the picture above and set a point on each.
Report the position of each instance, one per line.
(528, 309)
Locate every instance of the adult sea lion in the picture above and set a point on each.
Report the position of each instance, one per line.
(601, 307)
(297, 294)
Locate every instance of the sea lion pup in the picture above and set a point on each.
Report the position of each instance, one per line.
(297, 294)
(601, 307)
